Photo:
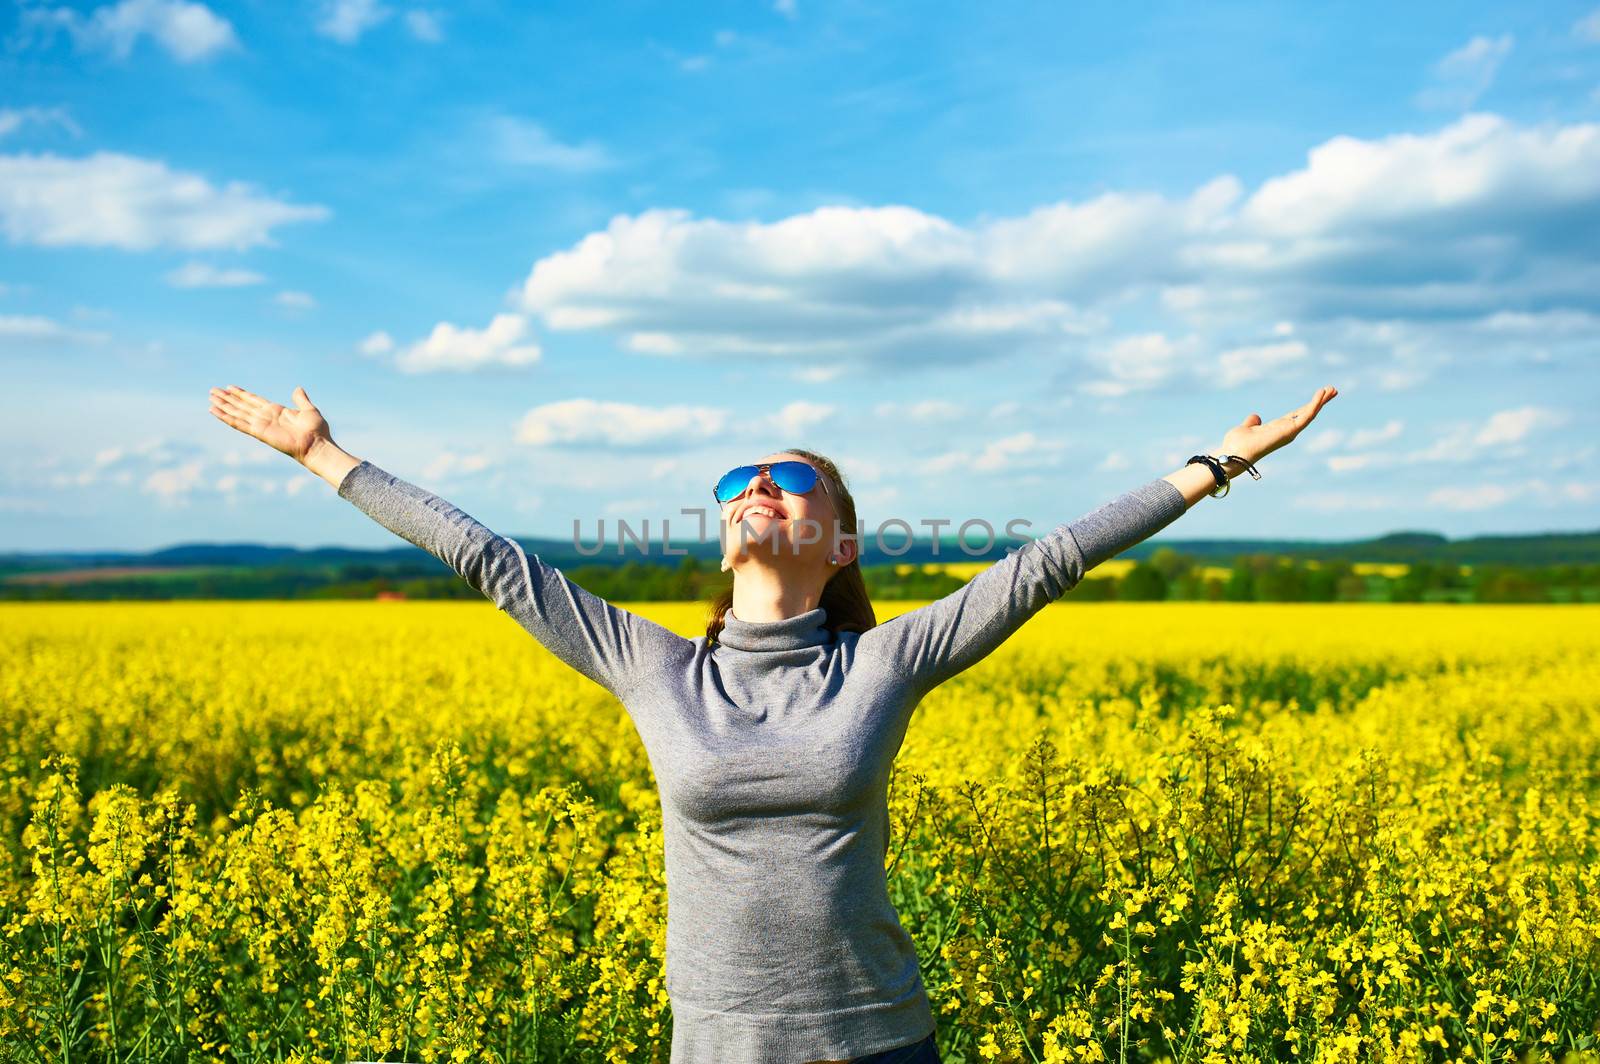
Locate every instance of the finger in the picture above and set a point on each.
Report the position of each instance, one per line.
(1302, 413)
(250, 400)
(1303, 416)
(231, 400)
(232, 406)
(303, 401)
(1317, 402)
(228, 419)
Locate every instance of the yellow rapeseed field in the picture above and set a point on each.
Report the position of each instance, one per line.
(1138, 832)
(1116, 568)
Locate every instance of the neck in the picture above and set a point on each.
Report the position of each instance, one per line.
(804, 631)
(761, 595)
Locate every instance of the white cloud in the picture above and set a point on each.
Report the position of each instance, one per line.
(378, 343)
(856, 469)
(654, 344)
(1371, 257)
(1466, 73)
(424, 26)
(18, 505)
(631, 508)
(1345, 501)
(1321, 439)
(1471, 497)
(1379, 222)
(800, 416)
(839, 284)
(1587, 28)
(1139, 363)
(251, 456)
(1559, 322)
(13, 119)
(112, 200)
(346, 20)
(205, 275)
(1114, 462)
(1020, 450)
(178, 482)
(1535, 491)
(446, 464)
(1580, 491)
(1243, 364)
(176, 470)
(1511, 426)
(451, 347)
(1360, 438)
(521, 142)
(1462, 180)
(187, 31)
(33, 327)
(608, 423)
(922, 410)
(1394, 380)
(293, 300)
(819, 374)
(1349, 463)
(1503, 433)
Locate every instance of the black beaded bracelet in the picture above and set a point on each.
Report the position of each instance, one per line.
(1217, 473)
(1220, 474)
(1249, 467)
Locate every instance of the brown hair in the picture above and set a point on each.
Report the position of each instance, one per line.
(844, 597)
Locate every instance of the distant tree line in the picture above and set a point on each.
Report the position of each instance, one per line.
(1167, 575)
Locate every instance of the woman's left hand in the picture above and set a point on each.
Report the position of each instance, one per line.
(1253, 439)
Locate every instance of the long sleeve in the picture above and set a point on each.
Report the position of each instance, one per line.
(611, 646)
(932, 643)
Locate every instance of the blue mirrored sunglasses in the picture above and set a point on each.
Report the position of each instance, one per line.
(796, 478)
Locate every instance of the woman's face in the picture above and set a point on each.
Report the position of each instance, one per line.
(784, 530)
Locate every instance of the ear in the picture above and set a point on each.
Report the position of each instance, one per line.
(845, 549)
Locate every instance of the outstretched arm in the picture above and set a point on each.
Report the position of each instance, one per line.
(933, 643)
(609, 645)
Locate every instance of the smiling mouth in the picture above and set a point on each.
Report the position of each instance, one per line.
(759, 510)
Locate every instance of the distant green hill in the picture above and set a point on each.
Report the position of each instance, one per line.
(1556, 566)
(1550, 548)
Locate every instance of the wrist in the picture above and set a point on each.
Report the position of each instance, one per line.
(1232, 463)
(328, 460)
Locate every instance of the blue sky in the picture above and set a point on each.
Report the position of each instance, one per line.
(1000, 261)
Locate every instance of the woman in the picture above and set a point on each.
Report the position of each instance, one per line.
(771, 736)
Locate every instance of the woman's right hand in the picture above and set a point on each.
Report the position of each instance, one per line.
(292, 430)
(1253, 440)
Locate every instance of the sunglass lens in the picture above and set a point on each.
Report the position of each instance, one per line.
(794, 477)
(733, 482)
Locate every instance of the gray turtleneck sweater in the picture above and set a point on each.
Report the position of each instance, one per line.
(771, 748)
